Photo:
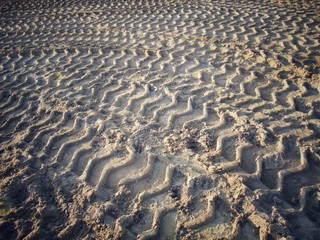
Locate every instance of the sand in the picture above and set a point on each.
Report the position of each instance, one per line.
(160, 119)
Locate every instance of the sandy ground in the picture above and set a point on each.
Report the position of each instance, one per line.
(160, 119)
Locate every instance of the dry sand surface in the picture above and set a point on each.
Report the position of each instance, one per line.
(164, 119)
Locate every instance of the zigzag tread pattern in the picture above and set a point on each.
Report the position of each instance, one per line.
(153, 107)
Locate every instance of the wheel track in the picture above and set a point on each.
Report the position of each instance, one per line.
(91, 63)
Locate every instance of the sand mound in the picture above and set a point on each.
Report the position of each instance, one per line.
(159, 119)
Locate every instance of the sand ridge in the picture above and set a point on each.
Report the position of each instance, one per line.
(159, 119)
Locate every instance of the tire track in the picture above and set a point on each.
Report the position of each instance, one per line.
(150, 110)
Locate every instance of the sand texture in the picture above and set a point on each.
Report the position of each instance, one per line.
(164, 119)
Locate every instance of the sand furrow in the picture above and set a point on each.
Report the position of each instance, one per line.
(159, 119)
(161, 188)
(157, 218)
